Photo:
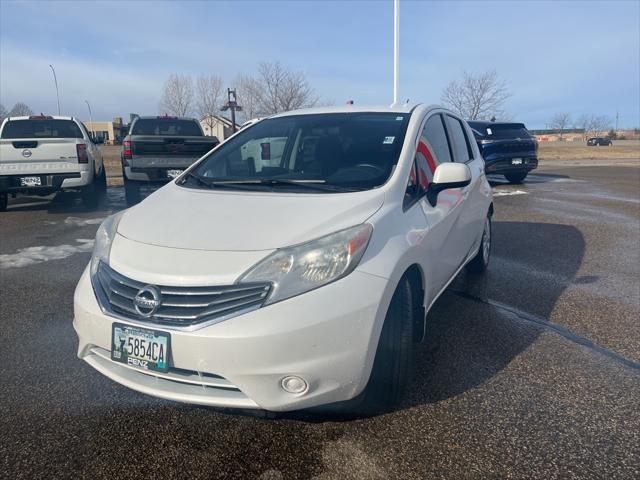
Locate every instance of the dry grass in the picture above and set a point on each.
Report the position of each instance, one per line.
(567, 151)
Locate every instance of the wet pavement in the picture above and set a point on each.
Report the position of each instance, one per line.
(532, 371)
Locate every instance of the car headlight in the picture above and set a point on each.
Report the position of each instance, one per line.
(104, 239)
(301, 268)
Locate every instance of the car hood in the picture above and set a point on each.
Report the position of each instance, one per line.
(196, 219)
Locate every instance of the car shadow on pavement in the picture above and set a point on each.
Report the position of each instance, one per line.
(66, 202)
(496, 180)
(470, 338)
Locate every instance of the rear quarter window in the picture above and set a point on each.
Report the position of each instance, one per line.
(41, 129)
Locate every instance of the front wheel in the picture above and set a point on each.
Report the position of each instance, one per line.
(392, 366)
(480, 262)
(516, 177)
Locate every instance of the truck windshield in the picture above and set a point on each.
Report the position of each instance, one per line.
(166, 126)
(49, 128)
(353, 151)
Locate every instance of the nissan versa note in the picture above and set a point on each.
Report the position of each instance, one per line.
(293, 265)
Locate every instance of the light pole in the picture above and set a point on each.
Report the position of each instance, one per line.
(396, 50)
(56, 82)
(93, 134)
(232, 104)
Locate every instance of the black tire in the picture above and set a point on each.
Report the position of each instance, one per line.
(480, 262)
(393, 365)
(101, 181)
(516, 177)
(90, 195)
(4, 200)
(131, 192)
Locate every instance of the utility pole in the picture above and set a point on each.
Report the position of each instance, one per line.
(232, 104)
(56, 82)
(617, 115)
(93, 134)
(396, 50)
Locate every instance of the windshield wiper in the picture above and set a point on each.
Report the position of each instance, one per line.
(313, 184)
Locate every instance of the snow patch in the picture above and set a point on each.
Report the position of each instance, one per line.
(34, 255)
(504, 193)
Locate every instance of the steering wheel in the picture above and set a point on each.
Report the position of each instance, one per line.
(378, 170)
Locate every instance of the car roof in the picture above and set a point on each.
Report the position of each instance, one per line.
(153, 117)
(487, 123)
(395, 108)
(48, 117)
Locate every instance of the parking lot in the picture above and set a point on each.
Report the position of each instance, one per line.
(532, 371)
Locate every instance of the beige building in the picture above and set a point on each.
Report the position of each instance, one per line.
(107, 131)
(217, 126)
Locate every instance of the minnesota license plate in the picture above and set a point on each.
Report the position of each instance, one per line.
(174, 173)
(30, 181)
(516, 161)
(140, 347)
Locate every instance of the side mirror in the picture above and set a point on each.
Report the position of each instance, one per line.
(448, 175)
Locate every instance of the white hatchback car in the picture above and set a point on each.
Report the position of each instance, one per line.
(293, 265)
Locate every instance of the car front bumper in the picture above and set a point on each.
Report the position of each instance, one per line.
(327, 336)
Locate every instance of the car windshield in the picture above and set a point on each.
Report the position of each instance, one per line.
(502, 130)
(319, 153)
(166, 126)
(49, 128)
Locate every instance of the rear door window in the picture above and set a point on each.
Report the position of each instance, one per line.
(35, 128)
(459, 140)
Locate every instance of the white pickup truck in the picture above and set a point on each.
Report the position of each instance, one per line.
(42, 154)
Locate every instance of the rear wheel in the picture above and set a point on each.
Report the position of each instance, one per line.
(4, 200)
(516, 177)
(392, 367)
(131, 192)
(480, 262)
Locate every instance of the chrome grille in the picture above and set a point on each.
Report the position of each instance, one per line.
(180, 306)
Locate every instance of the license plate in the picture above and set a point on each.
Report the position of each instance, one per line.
(30, 181)
(174, 173)
(140, 347)
(516, 161)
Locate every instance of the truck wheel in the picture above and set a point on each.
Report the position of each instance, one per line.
(516, 177)
(131, 192)
(4, 199)
(392, 367)
(480, 262)
(90, 195)
(101, 181)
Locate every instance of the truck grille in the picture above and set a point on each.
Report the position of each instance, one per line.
(179, 306)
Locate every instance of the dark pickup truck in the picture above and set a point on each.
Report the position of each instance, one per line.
(158, 149)
(508, 148)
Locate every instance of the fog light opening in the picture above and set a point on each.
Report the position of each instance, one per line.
(293, 384)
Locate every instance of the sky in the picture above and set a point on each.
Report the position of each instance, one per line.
(581, 57)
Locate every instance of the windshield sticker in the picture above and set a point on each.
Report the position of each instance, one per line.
(399, 118)
(388, 140)
(489, 131)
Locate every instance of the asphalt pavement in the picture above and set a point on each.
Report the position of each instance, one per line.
(532, 371)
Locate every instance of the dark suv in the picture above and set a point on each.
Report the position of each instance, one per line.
(508, 148)
(597, 141)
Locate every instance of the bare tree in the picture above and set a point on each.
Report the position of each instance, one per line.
(560, 122)
(20, 109)
(478, 96)
(593, 124)
(209, 99)
(273, 90)
(3, 112)
(177, 95)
